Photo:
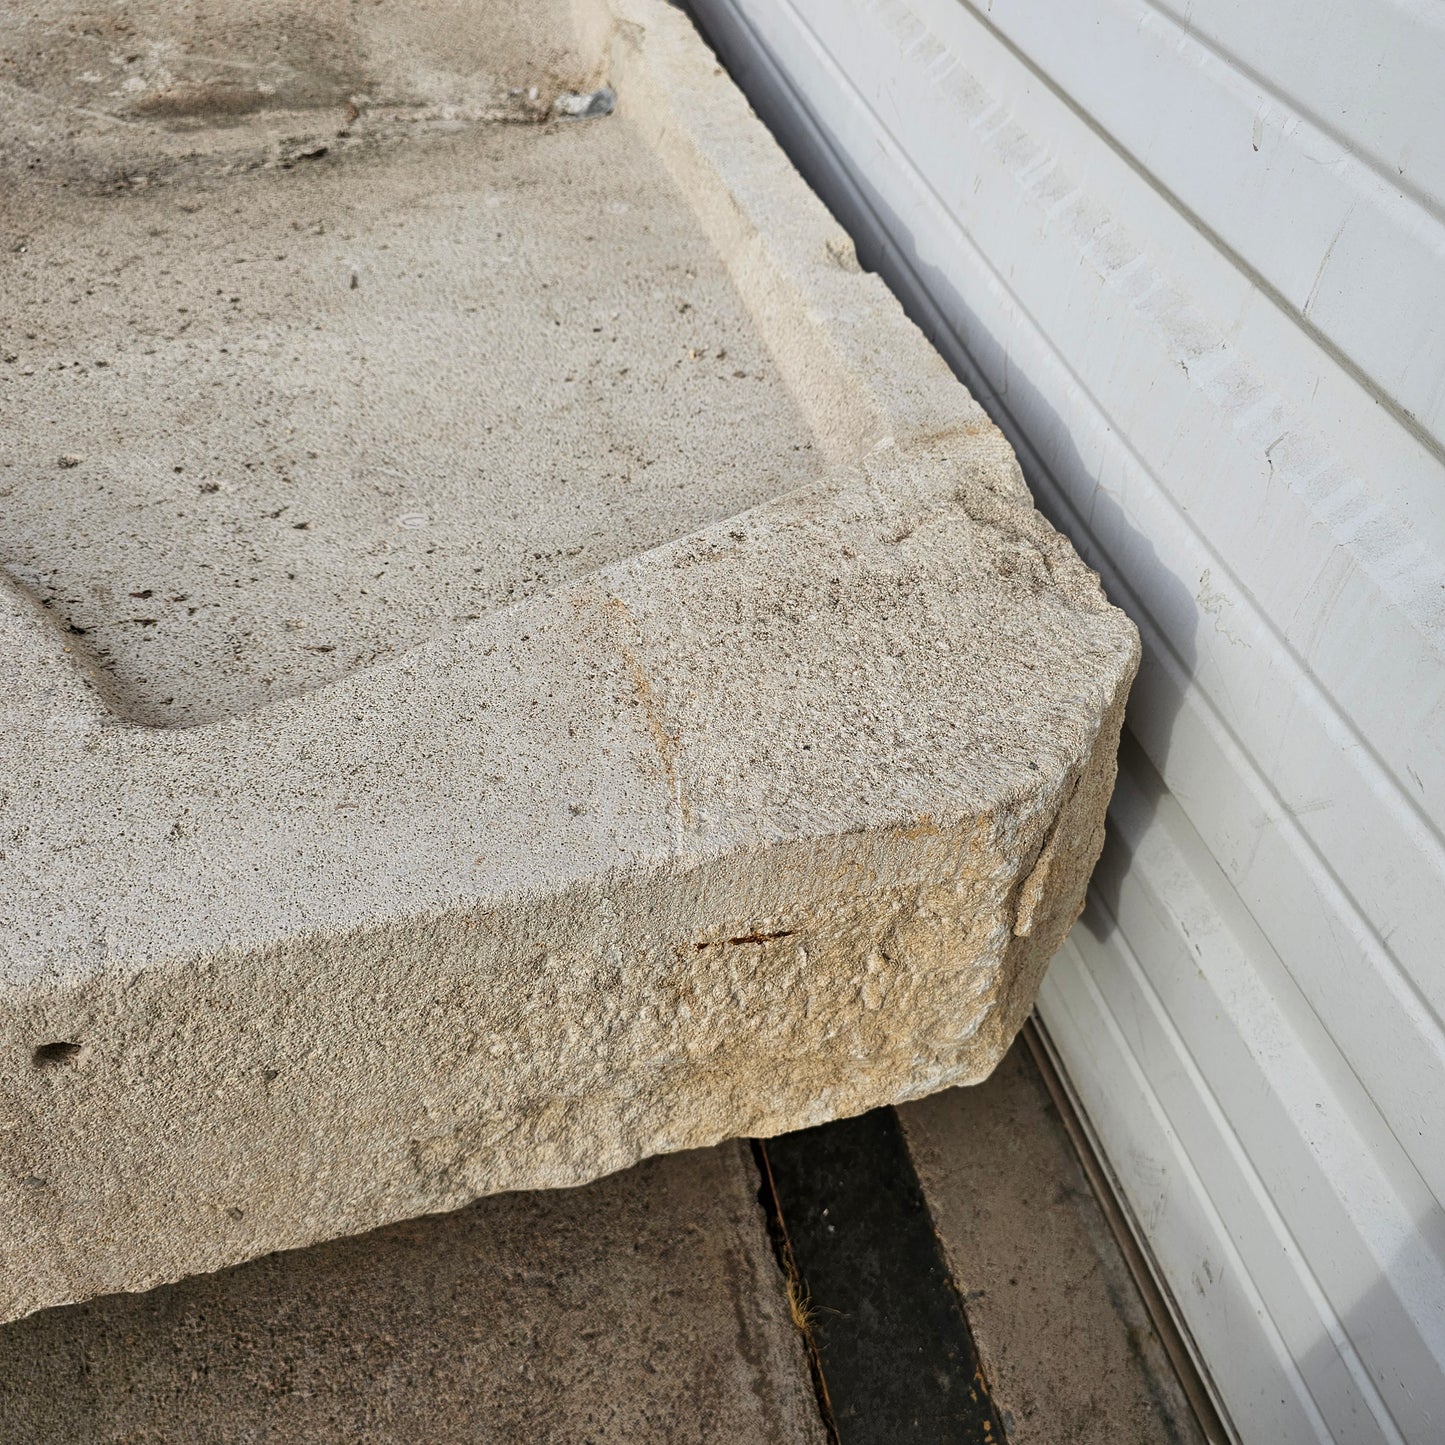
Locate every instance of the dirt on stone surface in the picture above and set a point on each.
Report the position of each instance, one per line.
(644, 1307)
(129, 93)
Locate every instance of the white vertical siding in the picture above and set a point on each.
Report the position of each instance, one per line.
(1192, 258)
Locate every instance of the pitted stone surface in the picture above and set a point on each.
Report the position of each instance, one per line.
(753, 813)
(315, 420)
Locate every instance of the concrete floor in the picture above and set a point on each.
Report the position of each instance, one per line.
(647, 1306)
(1069, 1352)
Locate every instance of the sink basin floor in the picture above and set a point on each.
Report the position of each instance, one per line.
(270, 430)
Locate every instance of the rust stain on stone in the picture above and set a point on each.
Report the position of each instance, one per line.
(755, 937)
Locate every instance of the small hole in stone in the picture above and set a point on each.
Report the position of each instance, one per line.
(51, 1056)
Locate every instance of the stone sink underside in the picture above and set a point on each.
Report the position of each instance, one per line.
(672, 721)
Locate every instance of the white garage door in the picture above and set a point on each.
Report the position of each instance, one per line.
(1192, 257)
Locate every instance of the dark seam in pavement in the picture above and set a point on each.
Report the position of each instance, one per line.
(885, 1321)
(798, 1309)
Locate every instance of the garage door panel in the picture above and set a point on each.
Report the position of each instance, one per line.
(1205, 401)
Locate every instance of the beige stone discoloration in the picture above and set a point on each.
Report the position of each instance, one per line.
(664, 736)
(727, 829)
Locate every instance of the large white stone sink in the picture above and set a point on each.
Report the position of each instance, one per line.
(516, 655)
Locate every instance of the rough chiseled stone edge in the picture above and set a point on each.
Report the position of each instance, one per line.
(708, 980)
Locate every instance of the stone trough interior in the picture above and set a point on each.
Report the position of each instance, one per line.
(326, 336)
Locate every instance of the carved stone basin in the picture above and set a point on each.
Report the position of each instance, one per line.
(517, 656)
